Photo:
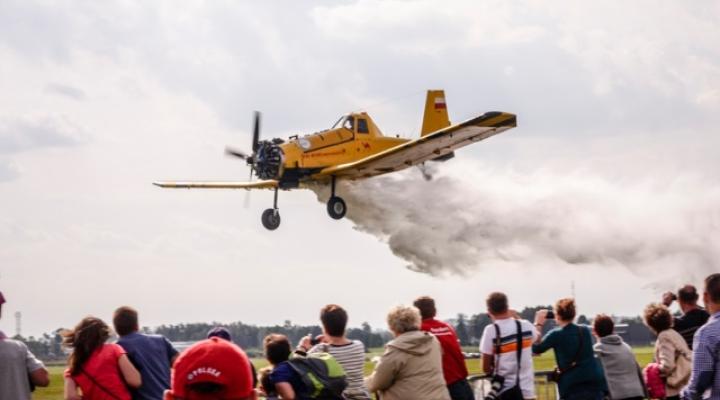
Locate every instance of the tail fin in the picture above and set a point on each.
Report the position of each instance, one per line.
(436, 116)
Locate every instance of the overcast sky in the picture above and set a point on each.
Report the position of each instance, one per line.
(610, 180)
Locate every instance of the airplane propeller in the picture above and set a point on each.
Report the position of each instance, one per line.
(248, 158)
(255, 142)
(266, 160)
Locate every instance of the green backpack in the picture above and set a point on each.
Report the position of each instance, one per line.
(322, 375)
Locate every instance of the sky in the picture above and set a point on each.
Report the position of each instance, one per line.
(608, 188)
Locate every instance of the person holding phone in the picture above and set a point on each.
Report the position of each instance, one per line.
(578, 374)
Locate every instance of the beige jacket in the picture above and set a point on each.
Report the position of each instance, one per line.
(410, 369)
(668, 347)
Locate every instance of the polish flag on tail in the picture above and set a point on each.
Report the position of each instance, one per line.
(440, 103)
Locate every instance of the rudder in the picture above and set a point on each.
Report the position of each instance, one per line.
(436, 116)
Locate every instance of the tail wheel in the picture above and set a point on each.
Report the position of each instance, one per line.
(271, 219)
(336, 207)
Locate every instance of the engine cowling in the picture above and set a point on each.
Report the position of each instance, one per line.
(268, 161)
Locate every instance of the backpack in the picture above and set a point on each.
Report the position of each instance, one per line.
(322, 375)
(654, 381)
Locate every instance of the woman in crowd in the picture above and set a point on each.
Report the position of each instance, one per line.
(350, 354)
(672, 354)
(580, 376)
(622, 371)
(411, 367)
(101, 371)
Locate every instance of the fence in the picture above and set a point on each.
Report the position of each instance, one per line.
(544, 389)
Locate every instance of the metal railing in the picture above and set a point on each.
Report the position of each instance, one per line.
(544, 388)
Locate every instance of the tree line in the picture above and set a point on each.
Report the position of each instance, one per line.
(469, 330)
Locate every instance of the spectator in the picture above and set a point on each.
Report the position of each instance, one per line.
(581, 376)
(100, 370)
(266, 385)
(622, 372)
(349, 353)
(212, 369)
(224, 334)
(705, 379)
(453, 360)
(411, 367)
(18, 368)
(505, 362)
(692, 318)
(288, 383)
(152, 355)
(669, 349)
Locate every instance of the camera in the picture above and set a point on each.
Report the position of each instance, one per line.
(496, 385)
(550, 314)
(314, 340)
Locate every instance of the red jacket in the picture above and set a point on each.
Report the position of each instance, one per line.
(453, 361)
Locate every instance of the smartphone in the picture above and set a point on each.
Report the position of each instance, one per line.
(550, 314)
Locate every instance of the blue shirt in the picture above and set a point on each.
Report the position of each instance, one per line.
(151, 355)
(283, 372)
(706, 362)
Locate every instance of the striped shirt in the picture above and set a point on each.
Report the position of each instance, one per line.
(351, 357)
(705, 378)
(506, 362)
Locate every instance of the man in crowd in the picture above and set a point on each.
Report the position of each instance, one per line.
(502, 358)
(453, 361)
(692, 318)
(622, 372)
(152, 355)
(212, 369)
(705, 378)
(18, 368)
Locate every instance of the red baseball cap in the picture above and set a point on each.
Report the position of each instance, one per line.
(212, 361)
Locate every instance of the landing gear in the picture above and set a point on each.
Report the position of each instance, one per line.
(336, 207)
(271, 216)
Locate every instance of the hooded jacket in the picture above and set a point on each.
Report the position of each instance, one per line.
(410, 368)
(622, 372)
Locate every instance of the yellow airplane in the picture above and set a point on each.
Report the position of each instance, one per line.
(353, 148)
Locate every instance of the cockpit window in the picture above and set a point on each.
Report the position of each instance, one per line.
(362, 126)
(349, 123)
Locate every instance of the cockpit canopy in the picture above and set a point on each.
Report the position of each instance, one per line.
(346, 121)
(351, 122)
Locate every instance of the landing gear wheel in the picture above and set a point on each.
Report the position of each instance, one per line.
(271, 219)
(336, 207)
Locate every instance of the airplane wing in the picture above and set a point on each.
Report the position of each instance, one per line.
(428, 147)
(269, 184)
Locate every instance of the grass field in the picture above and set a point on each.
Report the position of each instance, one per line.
(544, 362)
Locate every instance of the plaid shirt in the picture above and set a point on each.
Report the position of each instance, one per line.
(706, 362)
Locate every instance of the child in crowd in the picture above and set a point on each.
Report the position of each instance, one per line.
(286, 381)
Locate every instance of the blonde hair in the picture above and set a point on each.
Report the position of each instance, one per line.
(401, 319)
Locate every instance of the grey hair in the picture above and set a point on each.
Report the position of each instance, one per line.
(401, 319)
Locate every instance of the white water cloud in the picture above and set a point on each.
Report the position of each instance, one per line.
(472, 216)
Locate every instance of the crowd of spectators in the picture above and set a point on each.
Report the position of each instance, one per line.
(422, 361)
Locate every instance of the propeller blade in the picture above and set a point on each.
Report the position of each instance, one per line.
(246, 201)
(256, 132)
(236, 153)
